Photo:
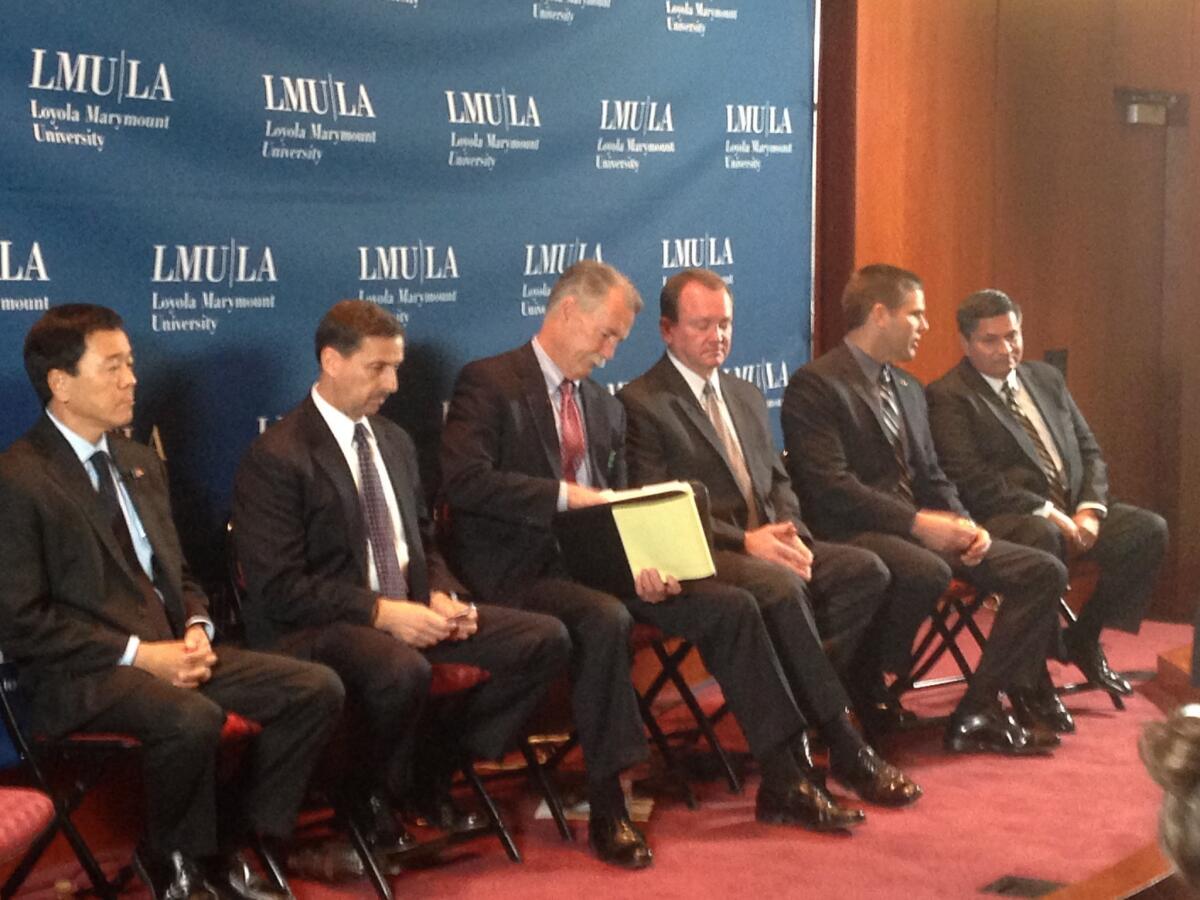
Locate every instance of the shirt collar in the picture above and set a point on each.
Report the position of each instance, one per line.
(997, 384)
(870, 366)
(550, 371)
(694, 381)
(339, 423)
(81, 447)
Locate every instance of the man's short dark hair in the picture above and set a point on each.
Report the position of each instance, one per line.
(876, 283)
(349, 321)
(59, 338)
(668, 300)
(984, 305)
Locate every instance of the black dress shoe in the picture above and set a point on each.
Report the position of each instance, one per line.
(879, 711)
(991, 730)
(618, 842)
(233, 879)
(1092, 662)
(1041, 706)
(379, 826)
(174, 877)
(805, 804)
(440, 811)
(876, 780)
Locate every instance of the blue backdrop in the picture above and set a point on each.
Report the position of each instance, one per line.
(222, 172)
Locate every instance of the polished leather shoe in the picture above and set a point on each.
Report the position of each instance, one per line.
(174, 877)
(876, 780)
(806, 804)
(328, 861)
(1041, 706)
(440, 811)
(1092, 662)
(617, 841)
(379, 826)
(992, 730)
(233, 879)
(879, 711)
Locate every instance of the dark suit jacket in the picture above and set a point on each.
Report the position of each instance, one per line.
(299, 532)
(839, 456)
(68, 599)
(501, 467)
(990, 456)
(671, 438)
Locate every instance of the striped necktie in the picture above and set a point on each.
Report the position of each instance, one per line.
(733, 455)
(378, 520)
(572, 444)
(1054, 482)
(894, 424)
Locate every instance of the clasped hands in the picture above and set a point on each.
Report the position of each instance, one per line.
(186, 664)
(1080, 530)
(445, 618)
(779, 542)
(945, 532)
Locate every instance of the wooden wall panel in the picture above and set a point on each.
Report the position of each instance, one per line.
(991, 152)
(924, 199)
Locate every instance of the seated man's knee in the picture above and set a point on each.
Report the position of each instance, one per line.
(194, 721)
(605, 620)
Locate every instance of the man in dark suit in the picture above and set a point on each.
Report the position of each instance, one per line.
(332, 534)
(529, 434)
(688, 420)
(862, 459)
(110, 632)
(1028, 466)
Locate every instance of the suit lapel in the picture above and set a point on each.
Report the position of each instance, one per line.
(852, 372)
(907, 391)
(600, 450)
(689, 408)
(537, 401)
(742, 425)
(65, 468)
(328, 457)
(1045, 404)
(995, 403)
(402, 486)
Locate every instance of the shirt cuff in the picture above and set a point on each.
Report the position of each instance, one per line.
(562, 497)
(209, 628)
(131, 650)
(1100, 508)
(1044, 510)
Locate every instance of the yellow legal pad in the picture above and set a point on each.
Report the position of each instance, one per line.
(660, 529)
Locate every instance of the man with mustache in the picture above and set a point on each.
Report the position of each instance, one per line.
(862, 460)
(1028, 466)
(529, 434)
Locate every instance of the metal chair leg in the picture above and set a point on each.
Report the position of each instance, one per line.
(498, 826)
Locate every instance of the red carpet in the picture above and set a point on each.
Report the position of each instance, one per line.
(1059, 819)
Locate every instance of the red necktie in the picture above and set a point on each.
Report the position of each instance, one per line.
(572, 444)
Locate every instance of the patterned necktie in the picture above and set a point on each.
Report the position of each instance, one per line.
(894, 423)
(571, 444)
(733, 455)
(378, 520)
(1057, 490)
(161, 628)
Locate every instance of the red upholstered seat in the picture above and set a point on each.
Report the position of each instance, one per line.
(235, 729)
(23, 814)
(454, 678)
